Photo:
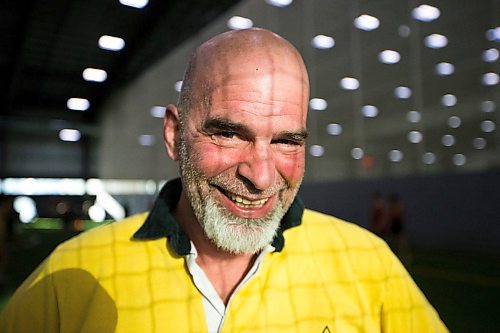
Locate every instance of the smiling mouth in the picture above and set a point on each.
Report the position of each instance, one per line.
(243, 202)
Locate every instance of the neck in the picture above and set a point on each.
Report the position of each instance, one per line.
(224, 270)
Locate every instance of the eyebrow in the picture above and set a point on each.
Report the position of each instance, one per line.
(224, 124)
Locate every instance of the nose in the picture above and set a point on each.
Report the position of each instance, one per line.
(258, 167)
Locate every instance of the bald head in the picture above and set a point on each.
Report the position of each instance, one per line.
(236, 55)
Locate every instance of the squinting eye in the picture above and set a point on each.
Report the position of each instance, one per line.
(286, 142)
(227, 135)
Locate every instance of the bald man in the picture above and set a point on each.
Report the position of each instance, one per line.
(228, 247)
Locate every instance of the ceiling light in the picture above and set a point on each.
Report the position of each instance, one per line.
(97, 213)
(357, 153)
(487, 126)
(78, 104)
(279, 3)
(449, 100)
(389, 57)
(111, 43)
(404, 31)
(95, 75)
(425, 13)
(238, 23)
(334, 129)
(178, 86)
(316, 150)
(436, 41)
(415, 137)
(413, 116)
(490, 55)
(487, 106)
(448, 140)
(71, 135)
(146, 140)
(493, 34)
(444, 68)
(366, 22)
(134, 3)
(369, 111)
(454, 122)
(490, 79)
(395, 155)
(158, 111)
(402, 92)
(323, 42)
(479, 143)
(349, 83)
(459, 159)
(318, 104)
(429, 158)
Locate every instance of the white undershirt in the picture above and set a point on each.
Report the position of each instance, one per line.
(215, 310)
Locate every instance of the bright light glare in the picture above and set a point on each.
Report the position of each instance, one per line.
(449, 100)
(395, 155)
(444, 68)
(97, 213)
(369, 111)
(415, 137)
(454, 122)
(238, 23)
(402, 92)
(487, 126)
(318, 104)
(488, 106)
(78, 104)
(493, 34)
(158, 111)
(413, 116)
(490, 55)
(425, 13)
(429, 158)
(70, 135)
(95, 75)
(134, 3)
(323, 42)
(334, 129)
(448, 140)
(279, 3)
(146, 140)
(178, 86)
(435, 41)
(490, 79)
(459, 159)
(366, 22)
(316, 150)
(111, 43)
(349, 83)
(357, 153)
(479, 143)
(26, 207)
(389, 57)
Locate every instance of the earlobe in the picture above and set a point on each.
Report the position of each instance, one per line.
(171, 131)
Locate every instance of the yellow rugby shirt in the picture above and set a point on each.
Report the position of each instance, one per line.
(329, 276)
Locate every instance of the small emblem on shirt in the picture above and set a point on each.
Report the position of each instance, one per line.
(326, 330)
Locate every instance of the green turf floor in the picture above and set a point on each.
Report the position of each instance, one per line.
(463, 287)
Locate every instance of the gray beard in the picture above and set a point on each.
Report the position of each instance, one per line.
(228, 232)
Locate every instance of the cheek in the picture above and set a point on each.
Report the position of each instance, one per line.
(212, 160)
(291, 168)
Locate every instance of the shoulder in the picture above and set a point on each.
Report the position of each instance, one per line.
(337, 232)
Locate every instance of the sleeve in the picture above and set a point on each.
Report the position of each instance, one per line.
(33, 307)
(405, 308)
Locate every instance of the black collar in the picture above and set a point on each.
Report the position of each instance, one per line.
(161, 223)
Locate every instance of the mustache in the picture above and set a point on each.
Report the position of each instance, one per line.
(243, 187)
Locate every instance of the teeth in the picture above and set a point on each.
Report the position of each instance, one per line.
(247, 203)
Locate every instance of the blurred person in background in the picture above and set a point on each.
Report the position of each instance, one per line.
(228, 247)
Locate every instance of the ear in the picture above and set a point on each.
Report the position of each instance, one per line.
(171, 131)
